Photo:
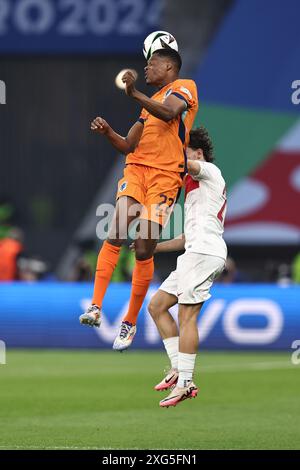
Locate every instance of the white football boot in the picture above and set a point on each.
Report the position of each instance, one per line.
(125, 336)
(170, 379)
(178, 395)
(92, 317)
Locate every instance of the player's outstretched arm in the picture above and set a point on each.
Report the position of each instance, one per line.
(166, 111)
(170, 109)
(124, 145)
(177, 244)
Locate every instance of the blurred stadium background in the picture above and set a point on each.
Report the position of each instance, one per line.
(59, 60)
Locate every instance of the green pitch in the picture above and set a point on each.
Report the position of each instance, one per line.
(104, 400)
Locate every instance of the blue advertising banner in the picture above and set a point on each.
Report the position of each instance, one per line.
(45, 315)
(76, 26)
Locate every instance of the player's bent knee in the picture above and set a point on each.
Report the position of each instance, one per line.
(116, 241)
(160, 303)
(153, 308)
(156, 307)
(142, 253)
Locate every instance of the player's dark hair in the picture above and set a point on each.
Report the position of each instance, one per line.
(200, 139)
(170, 54)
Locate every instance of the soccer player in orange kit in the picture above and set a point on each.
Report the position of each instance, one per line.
(155, 165)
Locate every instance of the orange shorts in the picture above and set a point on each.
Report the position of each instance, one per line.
(157, 190)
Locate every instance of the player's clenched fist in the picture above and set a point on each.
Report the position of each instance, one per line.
(99, 125)
(129, 79)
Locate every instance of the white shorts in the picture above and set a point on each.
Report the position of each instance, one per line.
(193, 278)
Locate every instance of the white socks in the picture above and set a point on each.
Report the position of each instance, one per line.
(183, 362)
(186, 365)
(172, 347)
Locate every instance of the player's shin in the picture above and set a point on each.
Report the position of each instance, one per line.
(141, 278)
(172, 346)
(171, 377)
(188, 343)
(186, 366)
(107, 261)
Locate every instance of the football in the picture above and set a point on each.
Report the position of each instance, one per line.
(158, 40)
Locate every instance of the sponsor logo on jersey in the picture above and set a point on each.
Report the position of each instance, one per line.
(186, 91)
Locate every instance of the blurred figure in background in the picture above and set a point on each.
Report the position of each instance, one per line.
(82, 271)
(85, 265)
(31, 268)
(10, 249)
(15, 264)
(230, 273)
(6, 214)
(284, 275)
(296, 269)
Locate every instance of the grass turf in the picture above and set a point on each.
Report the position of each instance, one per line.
(105, 400)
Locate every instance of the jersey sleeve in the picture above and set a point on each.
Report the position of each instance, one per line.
(186, 92)
(143, 116)
(207, 171)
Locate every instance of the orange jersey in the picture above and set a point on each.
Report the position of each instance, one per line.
(162, 144)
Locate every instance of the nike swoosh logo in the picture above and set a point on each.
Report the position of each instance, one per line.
(171, 398)
(168, 380)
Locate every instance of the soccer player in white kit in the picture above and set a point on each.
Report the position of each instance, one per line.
(203, 260)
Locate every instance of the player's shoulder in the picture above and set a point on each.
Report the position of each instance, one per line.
(213, 169)
(185, 81)
(186, 86)
(211, 166)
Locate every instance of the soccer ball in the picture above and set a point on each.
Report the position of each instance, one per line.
(158, 40)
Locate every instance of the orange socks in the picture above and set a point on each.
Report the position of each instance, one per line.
(141, 278)
(107, 261)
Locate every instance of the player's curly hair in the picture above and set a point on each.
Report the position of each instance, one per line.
(200, 139)
(171, 54)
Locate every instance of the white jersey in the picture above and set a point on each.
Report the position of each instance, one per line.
(204, 209)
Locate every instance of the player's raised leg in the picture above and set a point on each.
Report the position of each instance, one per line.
(158, 308)
(108, 258)
(141, 278)
(188, 347)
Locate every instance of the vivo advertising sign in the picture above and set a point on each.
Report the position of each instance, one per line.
(236, 317)
(228, 317)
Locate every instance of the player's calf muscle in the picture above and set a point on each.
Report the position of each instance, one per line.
(188, 314)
